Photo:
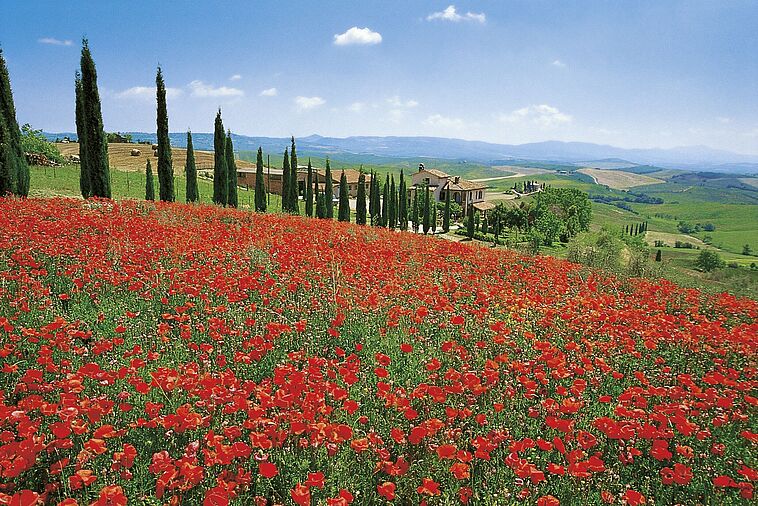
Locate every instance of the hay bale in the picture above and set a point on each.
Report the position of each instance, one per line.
(155, 146)
(155, 152)
(136, 152)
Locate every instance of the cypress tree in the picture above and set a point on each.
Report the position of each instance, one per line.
(446, 216)
(309, 191)
(294, 185)
(658, 256)
(286, 181)
(328, 193)
(434, 216)
(231, 172)
(385, 202)
(402, 203)
(470, 225)
(149, 184)
(165, 167)
(220, 187)
(320, 207)
(427, 214)
(371, 203)
(414, 210)
(81, 135)
(260, 187)
(360, 201)
(484, 225)
(376, 219)
(191, 170)
(15, 169)
(392, 213)
(343, 212)
(96, 145)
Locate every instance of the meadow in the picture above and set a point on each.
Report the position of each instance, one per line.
(186, 354)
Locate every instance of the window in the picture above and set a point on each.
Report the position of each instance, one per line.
(480, 195)
(426, 180)
(442, 195)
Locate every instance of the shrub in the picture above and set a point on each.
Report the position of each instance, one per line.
(33, 141)
(709, 260)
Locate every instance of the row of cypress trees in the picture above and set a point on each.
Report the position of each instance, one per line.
(14, 171)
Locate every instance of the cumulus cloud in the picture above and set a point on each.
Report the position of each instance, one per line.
(559, 64)
(54, 42)
(396, 102)
(146, 93)
(450, 14)
(235, 77)
(355, 35)
(307, 103)
(724, 120)
(543, 115)
(269, 92)
(201, 89)
(438, 120)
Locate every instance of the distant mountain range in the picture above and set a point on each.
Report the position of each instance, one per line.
(699, 158)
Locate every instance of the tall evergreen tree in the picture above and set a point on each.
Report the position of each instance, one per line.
(260, 187)
(427, 214)
(231, 172)
(371, 203)
(392, 212)
(220, 186)
(446, 216)
(149, 183)
(96, 145)
(165, 166)
(360, 201)
(328, 192)
(434, 216)
(343, 212)
(470, 223)
(377, 218)
(191, 172)
(385, 203)
(81, 135)
(309, 191)
(294, 184)
(286, 207)
(320, 207)
(414, 210)
(15, 170)
(402, 203)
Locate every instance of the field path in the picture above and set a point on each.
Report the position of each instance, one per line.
(496, 178)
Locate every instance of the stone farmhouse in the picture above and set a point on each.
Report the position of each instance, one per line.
(463, 192)
(272, 178)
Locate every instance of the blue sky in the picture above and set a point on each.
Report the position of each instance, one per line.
(629, 73)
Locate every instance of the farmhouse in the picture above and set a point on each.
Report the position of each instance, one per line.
(463, 192)
(272, 178)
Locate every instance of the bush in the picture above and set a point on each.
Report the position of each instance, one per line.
(709, 260)
(33, 141)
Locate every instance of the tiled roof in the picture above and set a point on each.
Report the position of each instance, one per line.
(464, 185)
(436, 172)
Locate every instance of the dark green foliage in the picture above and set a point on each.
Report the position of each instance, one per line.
(294, 190)
(376, 218)
(81, 134)
(260, 187)
(328, 192)
(658, 256)
(470, 226)
(709, 260)
(220, 186)
(343, 212)
(191, 170)
(309, 191)
(320, 206)
(165, 166)
(231, 172)
(426, 213)
(385, 202)
(95, 146)
(414, 210)
(484, 227)
(446, 216)
(402, 203)
(149, 183)
(434, 216)
(747, 250)
(392, 213)
(371, 201)
(15, 170)
(360, 202)
(286, 181)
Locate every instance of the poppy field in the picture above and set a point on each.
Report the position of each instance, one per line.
(178, 354)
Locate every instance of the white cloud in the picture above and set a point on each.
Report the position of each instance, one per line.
(357, 107)
(54, 42)
(269, 92)
(724, 120)
(450, 14)
(235, 77)
(438, 120)
(307, 103)
(396, 102)
(559, 64)
(201, 89)
(355, 35)
(146, 93)
(542, 115)
(751, 133)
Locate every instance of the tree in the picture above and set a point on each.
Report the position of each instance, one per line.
(220, 186)
(385, 202)
(470, 222)
(371, 202)
(414, 210)
(15, 170)
(191, 171)
(446, 216)
(294, 185)
(96, 147)
(708, 260)
(328, 193)
(149, 183)
(343, 212)
(360, 201)
(309, 191)
(376, 218)
(658, 256)
(85, 185)
(286, 207)
(565, 203)
(747, 250)
(320, 206)
(231, 172)
(485, 225)
(260, 187)
(434, 217)
(165, 168)
(392, 213)
(426, 215)
(402, 203)
(549, 225)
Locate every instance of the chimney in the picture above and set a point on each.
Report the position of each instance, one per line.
(420, 167)
(456, 179)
